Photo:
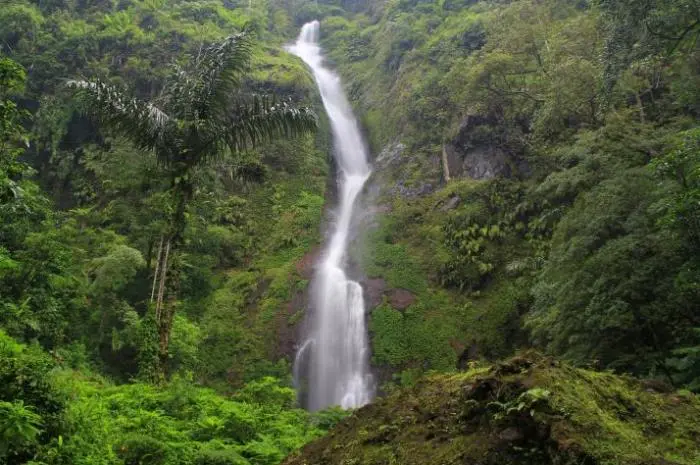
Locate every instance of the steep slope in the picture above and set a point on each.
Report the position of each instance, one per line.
(252, 220)
(526, 411)
(536, 177)
(82, 217)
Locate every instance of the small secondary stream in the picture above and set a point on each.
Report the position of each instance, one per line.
(336, 351)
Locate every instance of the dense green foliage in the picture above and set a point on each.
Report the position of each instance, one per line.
(528, 410)
(200, 115)
(58, 415)
(537, 180)
(566, 219)
(83, 212)
(82, 273)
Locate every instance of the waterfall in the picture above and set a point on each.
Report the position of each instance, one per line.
(337, 360)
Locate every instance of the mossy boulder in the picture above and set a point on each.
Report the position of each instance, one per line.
(529, 410)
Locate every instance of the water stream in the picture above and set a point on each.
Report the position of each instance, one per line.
(336, 350)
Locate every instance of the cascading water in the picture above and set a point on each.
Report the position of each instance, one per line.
(336, 351)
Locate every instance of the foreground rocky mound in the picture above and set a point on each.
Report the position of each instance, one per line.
(528, 410)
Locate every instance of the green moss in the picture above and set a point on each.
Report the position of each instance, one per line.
(492, 320)
(421, 335)
(389, 344)
(409, 247)
(382, 257)
(529, 410)
(618, 421)
(282, 70)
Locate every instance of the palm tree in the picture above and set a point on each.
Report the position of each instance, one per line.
(202, 114)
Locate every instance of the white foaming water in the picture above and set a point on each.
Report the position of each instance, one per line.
(337, 358)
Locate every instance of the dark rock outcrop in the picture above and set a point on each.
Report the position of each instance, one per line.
(390, 155)
(480, 151)
(374, 292)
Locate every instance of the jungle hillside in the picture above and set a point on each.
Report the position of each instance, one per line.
(528, 249)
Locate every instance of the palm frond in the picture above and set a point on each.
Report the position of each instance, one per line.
(143, 123)
(217, 74)
(182, 95)
(262, 119)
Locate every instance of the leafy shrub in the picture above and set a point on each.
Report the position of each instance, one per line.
(30, 403)
(223, 456)
(19, 429)
(139, 449)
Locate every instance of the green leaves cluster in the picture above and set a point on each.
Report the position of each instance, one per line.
(57, 416)
(19, 428)
(471, 263)
(79, 242)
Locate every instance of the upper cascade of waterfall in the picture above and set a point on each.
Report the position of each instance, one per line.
(352, 156)
(310, 32)
(336, 351)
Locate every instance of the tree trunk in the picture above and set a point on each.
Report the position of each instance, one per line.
(149, 255)
(445, 164)
(170, 271)
(163, 259)
(155, 273)
(640, 104)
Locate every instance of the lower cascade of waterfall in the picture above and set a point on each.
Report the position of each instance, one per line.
(332, 363)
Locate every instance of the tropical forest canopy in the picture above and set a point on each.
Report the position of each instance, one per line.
(164, 168)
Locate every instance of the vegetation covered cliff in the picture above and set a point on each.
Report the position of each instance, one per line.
(87, 202)
(526, 410)
(536, 184)
(535, 180)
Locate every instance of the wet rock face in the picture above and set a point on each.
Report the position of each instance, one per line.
(402, 190)
(390, 155)
(374, 292)
(485, 163)
(393, 175)
(285, 325)
(478, 153)
(305, 266)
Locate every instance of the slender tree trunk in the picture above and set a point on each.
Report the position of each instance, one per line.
(162, 280)
(445, 164)
(171, 271)
(640, 104)
(149, 255)
(155, 274)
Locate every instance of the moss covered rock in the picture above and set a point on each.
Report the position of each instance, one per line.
(528, 410)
